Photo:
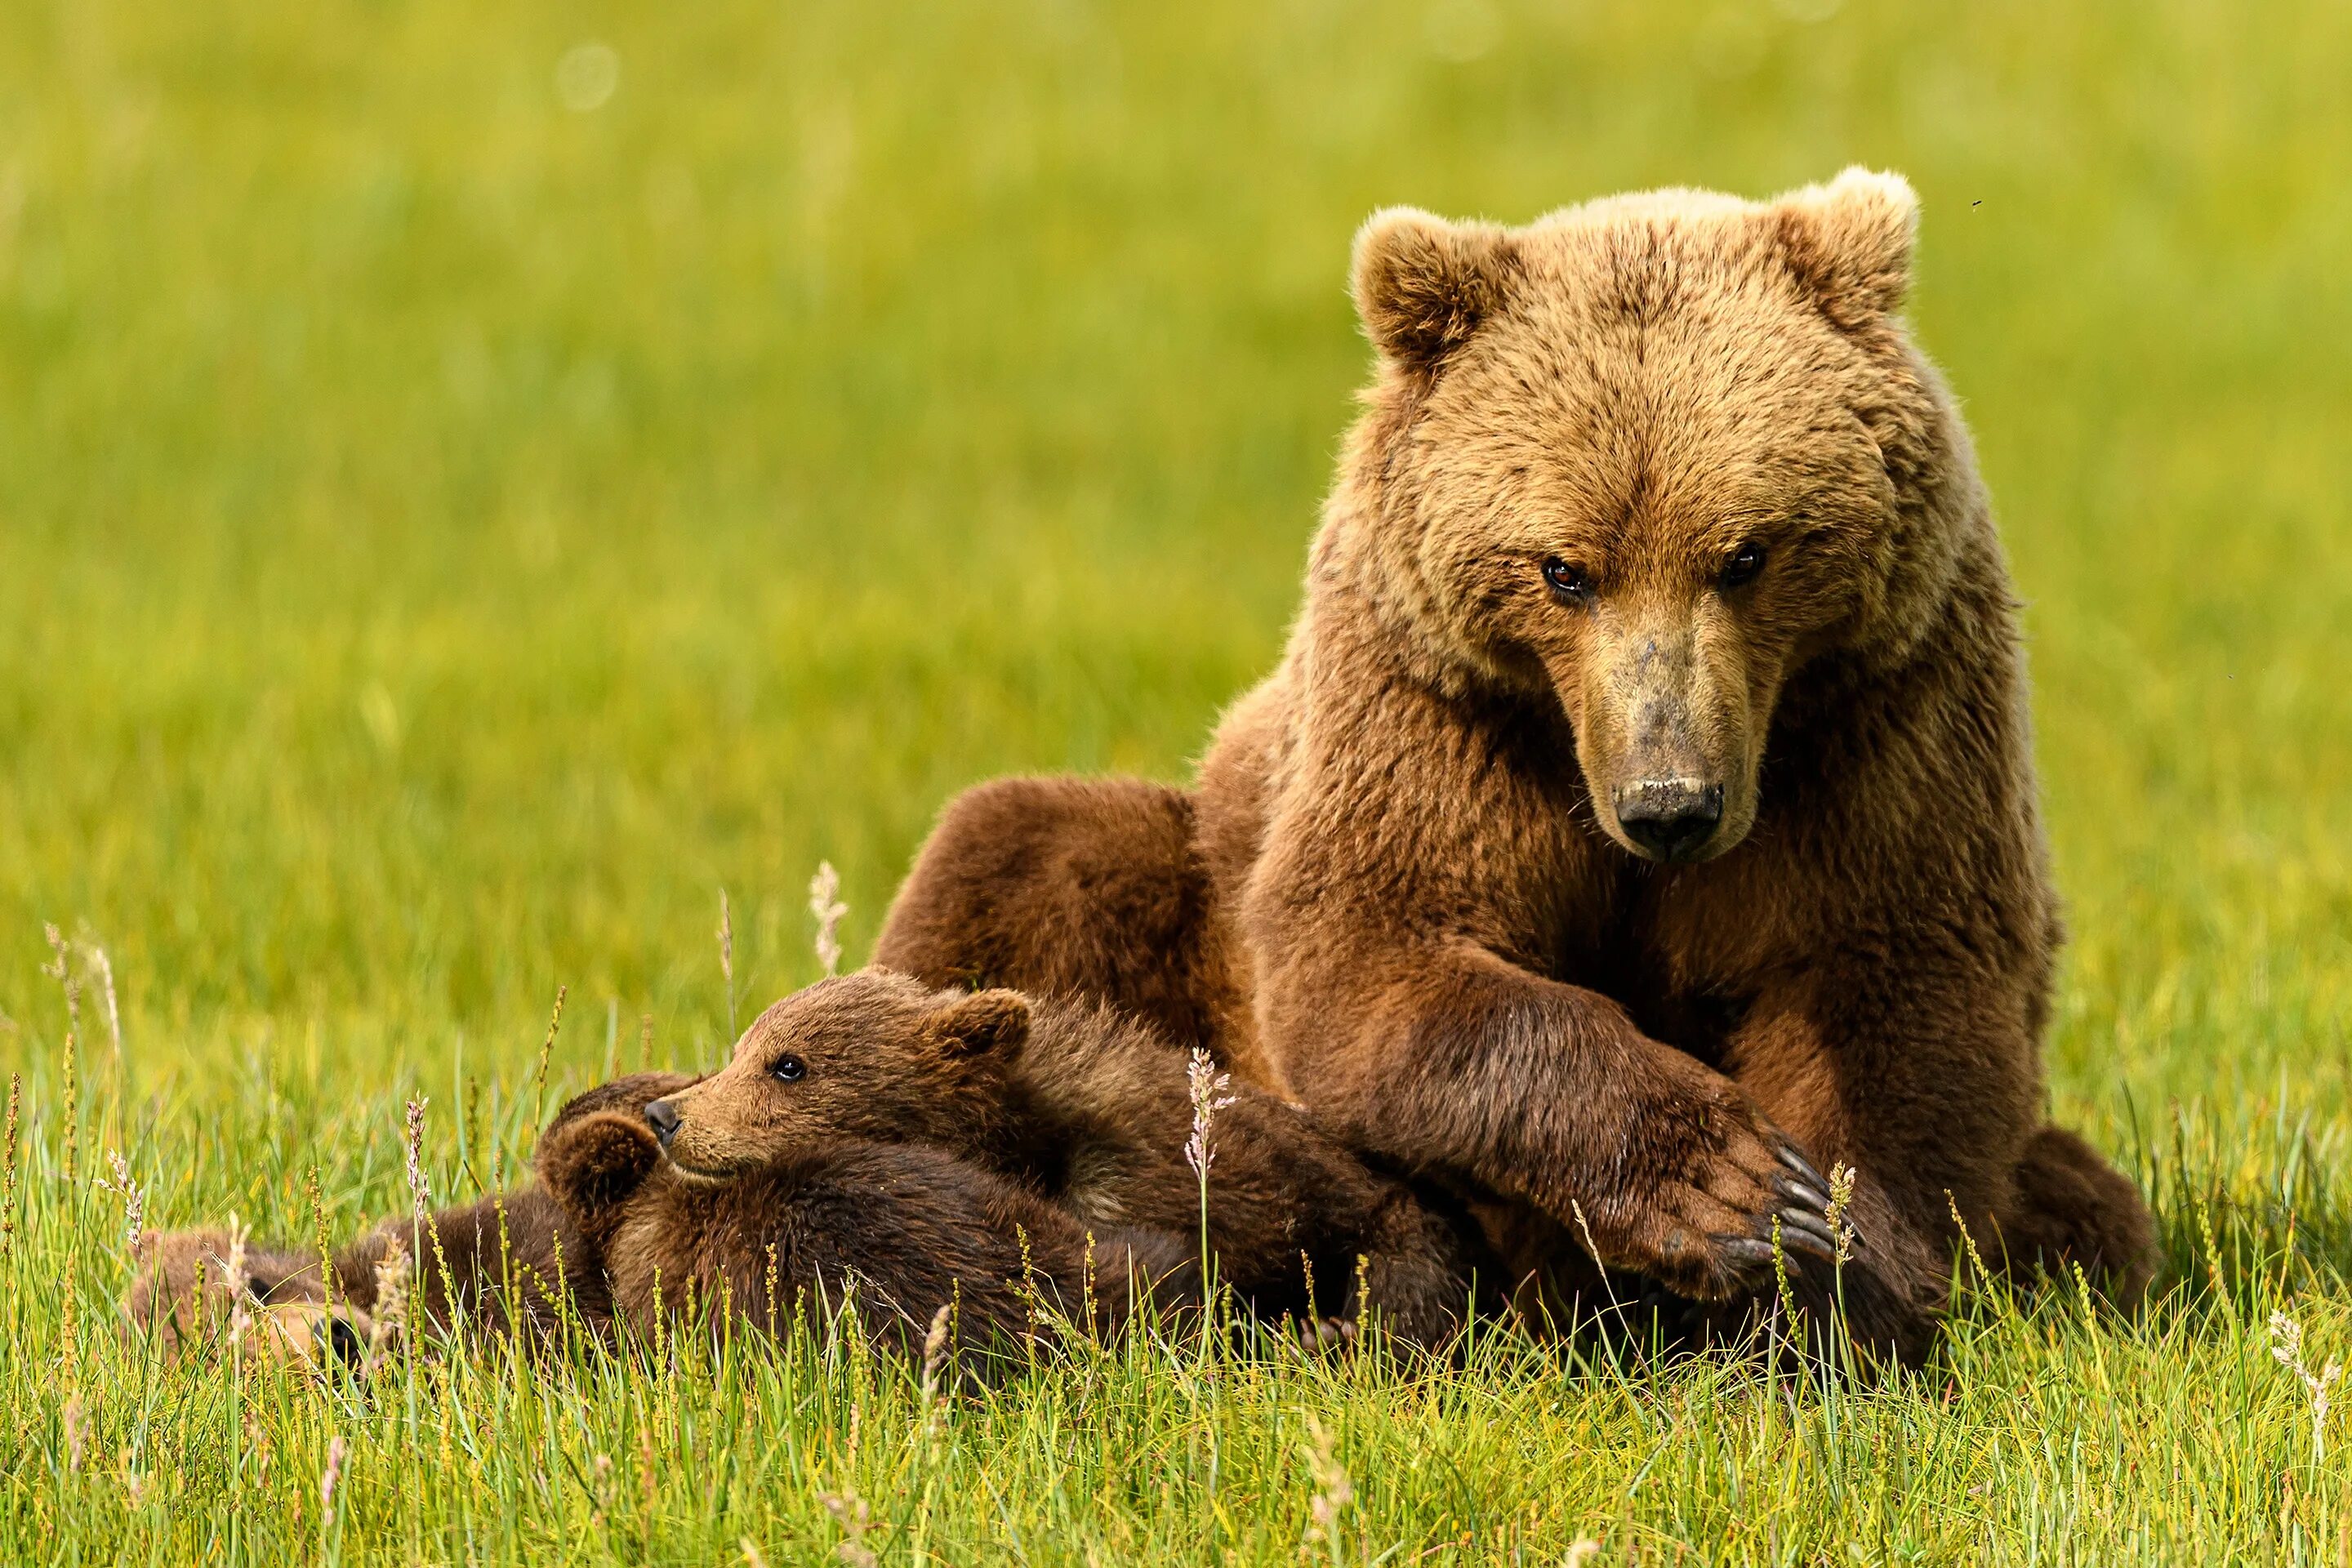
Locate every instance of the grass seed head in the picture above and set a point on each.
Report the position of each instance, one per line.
(849, 1511)
(1207, 1087)
(330, 1478)
(825, 903)
(1840, 1210)
(1333, 1491)
(391, 1317)
(420, 1193)
(134, 1202)
(2286, 1349)
(240, 1319)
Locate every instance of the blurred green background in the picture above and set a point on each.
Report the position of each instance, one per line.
(477, 480)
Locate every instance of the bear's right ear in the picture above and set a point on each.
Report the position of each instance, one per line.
(982, 1022)
(1849, 243)
(1422, 285)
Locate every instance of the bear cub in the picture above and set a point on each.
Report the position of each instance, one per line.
(1090, 1109)
(916, 1228)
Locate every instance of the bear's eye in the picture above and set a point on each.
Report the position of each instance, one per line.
(790, 1070)
(1745, 563)
(1569, 583)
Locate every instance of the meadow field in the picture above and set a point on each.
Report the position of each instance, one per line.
(476, 482)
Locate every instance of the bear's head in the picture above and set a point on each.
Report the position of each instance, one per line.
(874, 1055)
(1652, 456)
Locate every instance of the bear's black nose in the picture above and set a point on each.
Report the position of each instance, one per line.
(1671, 818)
(662, 1117)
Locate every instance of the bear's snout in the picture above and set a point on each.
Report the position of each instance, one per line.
(662, 1117)
(1671, 819)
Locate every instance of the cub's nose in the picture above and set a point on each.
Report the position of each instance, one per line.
(662, 1117)
(1671, 819)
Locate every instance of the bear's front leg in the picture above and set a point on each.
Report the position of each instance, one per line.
(1445, 1056)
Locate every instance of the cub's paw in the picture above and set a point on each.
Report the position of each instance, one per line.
(596, 1161)
(1326, 1336)
(1705, 1187)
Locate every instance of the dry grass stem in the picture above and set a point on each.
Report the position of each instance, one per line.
(546, 1050)
(1207, 1087)
(1334, 1492)
(390, 1319)
(2286, 1349)
(849, 1511)
(134, 1200)
(1839, 1213)
(727, 958)
(8, 1160)
(61, 971)
(825, 903)
(330, 1479)
(420, 1191)
(234, 1274)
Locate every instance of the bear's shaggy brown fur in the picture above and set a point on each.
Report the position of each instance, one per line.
(1091, 1111)
(916, 1229)
(1646, 792)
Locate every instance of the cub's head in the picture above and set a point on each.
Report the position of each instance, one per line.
(1650, 455)
(872, 1054)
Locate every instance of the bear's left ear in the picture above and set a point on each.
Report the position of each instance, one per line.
(1422, 285)
(982, 1022)
(1849, 243)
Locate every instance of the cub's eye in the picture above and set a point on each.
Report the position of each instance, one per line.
(1745, 563)
(790, 1070)
(1569, 582)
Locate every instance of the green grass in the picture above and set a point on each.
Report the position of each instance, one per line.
(446, 538)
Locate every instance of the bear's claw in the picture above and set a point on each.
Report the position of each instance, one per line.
(1805, 1232)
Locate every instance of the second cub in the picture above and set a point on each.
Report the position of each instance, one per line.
(1091, 1109)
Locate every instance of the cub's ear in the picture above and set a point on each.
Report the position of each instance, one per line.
(1422, 285)
(982, 1022)
(1849, 243)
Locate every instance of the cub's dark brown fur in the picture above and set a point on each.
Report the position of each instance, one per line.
(494, 1269)
(1642, 820)
(1091, 1109)
(913, 1227)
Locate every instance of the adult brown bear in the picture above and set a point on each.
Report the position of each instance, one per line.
(1647, 782)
